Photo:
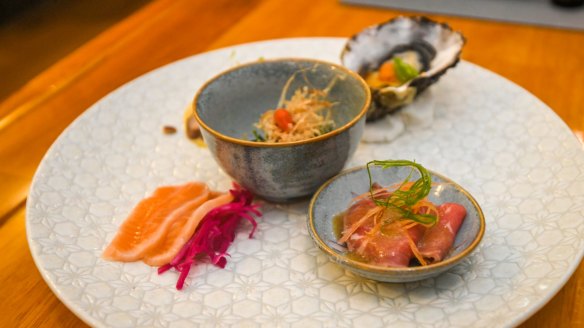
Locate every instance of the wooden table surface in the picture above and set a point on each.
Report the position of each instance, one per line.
(547, 62)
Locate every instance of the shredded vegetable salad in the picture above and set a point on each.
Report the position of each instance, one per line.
(305, 115)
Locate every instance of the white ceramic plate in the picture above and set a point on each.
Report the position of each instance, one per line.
(518, 159)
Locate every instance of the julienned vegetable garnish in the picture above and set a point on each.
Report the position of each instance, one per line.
(390, 226)
(305, 115)
(407, 195)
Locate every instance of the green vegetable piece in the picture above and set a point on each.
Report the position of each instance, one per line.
(326, 128)
(403, 70)
(257, 137)
(403, 200)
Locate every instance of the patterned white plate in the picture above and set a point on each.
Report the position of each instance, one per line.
(506, 147)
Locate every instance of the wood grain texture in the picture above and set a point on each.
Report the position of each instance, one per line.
(546, 62)
(26, 299)
(37, 114)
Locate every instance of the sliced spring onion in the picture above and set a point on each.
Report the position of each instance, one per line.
(404, 199)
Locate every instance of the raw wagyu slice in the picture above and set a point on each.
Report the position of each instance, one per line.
(438, 239)
(390, 246)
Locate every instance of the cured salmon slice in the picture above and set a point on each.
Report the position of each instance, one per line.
(147, 225)
(180, 231)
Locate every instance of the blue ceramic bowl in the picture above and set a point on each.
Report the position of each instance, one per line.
(336, 194)
(228, 106)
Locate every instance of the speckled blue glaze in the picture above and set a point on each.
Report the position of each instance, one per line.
(336, 194)
(228, 105)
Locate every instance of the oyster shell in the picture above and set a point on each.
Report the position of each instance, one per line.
(429, 47)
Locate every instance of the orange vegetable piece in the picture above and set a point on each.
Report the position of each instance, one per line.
(387, 72)
(283, 119)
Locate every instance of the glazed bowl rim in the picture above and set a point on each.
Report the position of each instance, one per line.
(321, 137)
(341, 258)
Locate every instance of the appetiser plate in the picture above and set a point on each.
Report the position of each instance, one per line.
(510, 151)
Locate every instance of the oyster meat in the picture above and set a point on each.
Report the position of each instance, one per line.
(400, 58)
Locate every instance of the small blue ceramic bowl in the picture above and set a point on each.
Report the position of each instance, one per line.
(228, 106)
(336, 194)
